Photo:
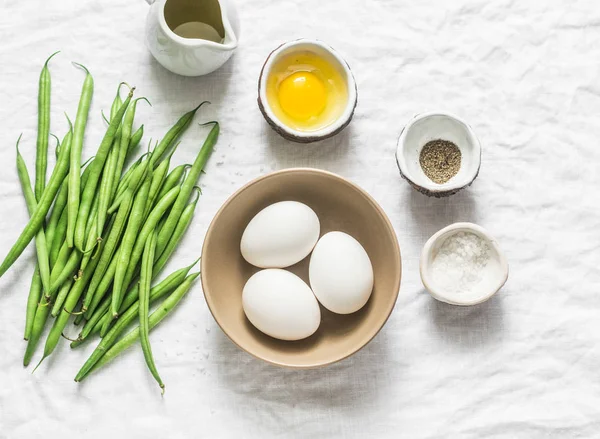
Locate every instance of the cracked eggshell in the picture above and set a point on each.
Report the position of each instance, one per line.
(326, 52)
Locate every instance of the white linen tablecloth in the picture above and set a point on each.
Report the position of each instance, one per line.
(526, 75)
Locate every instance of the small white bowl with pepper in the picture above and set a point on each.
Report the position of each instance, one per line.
(438, 154)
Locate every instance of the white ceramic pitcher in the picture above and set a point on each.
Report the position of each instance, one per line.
(192, 37)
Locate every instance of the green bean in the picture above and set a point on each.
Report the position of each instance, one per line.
(172, 135)
(83, 109)
(114, 165)
(60, 203)
(111, 244)
(107, 319)
(106, 184)
(35, 294)
(155, 318)
(172, 180)
(67, 272)
(61, 297)
(57, 210)
(57, 149)
(93, 244)
(135, 140)
(90, 225)
(182, 225)
(94, 321)
(99, 291)
(59, 239)
(133, 226)
(124, 182)
(41, 158)
(110, 173)
(187, 187)
(126, 267)
(86, 172)
(132, 169)
(40, 239)
(145, 192)
(136, 220)
(104, 118)
(59, 216)
(185, 221)
(99, 288)
(158, 179)
(137, 177)
(36, 221)
(130, 298)
(98, 326)
(61, 261)
(61, 320)
(75, 313)
(169, 246)
(96, 169)
(41, 315)
(78, 319)
(144, 305)
(122, 143)
(92, 241)
(128, 316)
(117, 101)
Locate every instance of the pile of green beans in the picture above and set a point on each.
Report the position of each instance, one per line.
(103, 230)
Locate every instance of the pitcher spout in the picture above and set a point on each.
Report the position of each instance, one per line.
(201, 21)
(230, 40)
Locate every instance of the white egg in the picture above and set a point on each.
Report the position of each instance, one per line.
(280, 235)
(341, 274)
(281, 305)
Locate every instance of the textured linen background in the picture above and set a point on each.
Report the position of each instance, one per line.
(525, 74)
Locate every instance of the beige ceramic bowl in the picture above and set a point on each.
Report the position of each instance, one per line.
(340, 205)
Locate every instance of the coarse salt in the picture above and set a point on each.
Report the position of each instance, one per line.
(458, 266)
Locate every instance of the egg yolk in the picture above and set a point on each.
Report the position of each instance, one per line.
(302, 95)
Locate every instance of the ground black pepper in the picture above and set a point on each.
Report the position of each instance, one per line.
(440, 160)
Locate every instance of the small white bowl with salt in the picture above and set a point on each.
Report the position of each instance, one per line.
(463, 265)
